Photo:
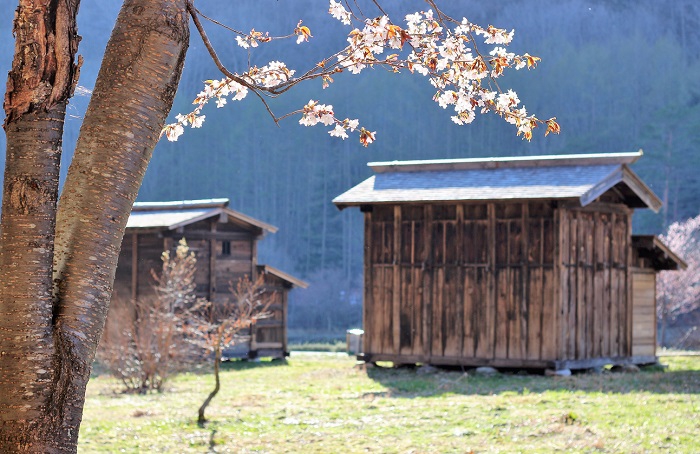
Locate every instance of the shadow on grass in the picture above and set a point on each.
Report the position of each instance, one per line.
(413, 382)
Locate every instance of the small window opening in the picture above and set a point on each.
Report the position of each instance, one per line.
(225, 248)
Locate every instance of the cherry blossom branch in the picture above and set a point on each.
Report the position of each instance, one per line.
(431, 48)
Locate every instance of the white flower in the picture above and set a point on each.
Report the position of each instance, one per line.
(197, 121)
(339, 12)
(338, 131)
(242, 42)
(173, 132)
(220, 102)
(464, 118)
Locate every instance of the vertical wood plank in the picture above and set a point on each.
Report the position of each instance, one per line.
(606, 277)
(458, 264)
(628, 285)
(284, 299)
(552, 299)
(427, 289)
(437, 347)
(599, 311)
(487, 333)
(134, 267)
(211, 243)
(573, 285)
(503, 248)
(590, 293)
(614, 290)
(523, 307)
(562, 270)
(535, 333)
(387, 299)
(368, 301)
(396, 284)
(469, 294)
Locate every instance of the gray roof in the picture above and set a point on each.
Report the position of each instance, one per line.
(172, 215)
(582, 177)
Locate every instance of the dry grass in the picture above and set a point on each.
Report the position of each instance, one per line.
(322, 404)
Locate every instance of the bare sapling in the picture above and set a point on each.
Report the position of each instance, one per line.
(221, 325)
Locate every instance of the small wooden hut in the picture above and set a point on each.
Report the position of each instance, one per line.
(225, 244)
(508, 262)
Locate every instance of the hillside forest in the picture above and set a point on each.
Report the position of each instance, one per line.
(619, 75)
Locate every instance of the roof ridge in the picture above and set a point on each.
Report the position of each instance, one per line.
(181, 204)
(507, 162)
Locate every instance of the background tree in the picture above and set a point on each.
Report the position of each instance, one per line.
(679, 291)
(143, 342)
(57, 264)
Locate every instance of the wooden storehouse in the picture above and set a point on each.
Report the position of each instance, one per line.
(225, 244)
(508, 262)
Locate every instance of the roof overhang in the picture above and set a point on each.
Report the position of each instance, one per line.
(629, 186)
(294, 282)
(661, 257)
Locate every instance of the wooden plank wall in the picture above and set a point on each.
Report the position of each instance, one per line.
(644, 313)
(595, 282)
(150, 251)
(461, 281)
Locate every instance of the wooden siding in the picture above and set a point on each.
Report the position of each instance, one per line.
(509, 284)
(461, 281)
(594, 245)
(644, 313)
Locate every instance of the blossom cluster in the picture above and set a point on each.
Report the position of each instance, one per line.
(314, 113)
(430, 44)
(449, 58)
(271, 75)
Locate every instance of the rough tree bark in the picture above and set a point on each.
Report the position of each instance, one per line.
(51, 317)
(39, 85)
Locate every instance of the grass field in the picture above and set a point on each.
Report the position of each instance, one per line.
(323, 404)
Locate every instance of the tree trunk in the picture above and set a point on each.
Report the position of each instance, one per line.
(217, 361)
(41, 403)
(39, 85)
